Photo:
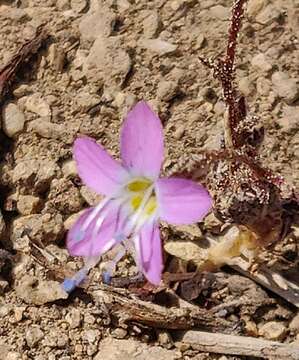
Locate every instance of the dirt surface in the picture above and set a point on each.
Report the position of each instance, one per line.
(101, 58)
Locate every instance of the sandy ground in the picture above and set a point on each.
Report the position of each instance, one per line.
(84, 82)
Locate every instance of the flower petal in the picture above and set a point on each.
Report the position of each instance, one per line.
(182, 201)
(97, 169)
(149, 252)
(142, 141)
(96, 231)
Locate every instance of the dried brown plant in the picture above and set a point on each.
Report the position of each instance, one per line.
(244, 192)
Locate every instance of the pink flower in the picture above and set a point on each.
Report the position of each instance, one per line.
(135, 197)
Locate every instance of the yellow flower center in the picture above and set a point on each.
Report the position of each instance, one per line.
(139, 185)
(138, 188)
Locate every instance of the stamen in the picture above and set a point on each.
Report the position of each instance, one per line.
(136, 201)
(111, 266)
(136, 216)
(69, 284)
(144, 205)
(94, 213)
(151, 206)
(139, 185)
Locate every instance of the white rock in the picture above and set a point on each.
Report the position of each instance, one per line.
(119, 333)
(167, 90)
(123, 5)
(21, 90)
(287, 88)
(289, 119)
(63, 5)
(191, 231)
(261, 62)
(91, 336)
(56, 338)
(200, 41)
(33, 336)
(90, 196)
(107, 62)
(273, 330)
(13, 120)
(97, 23)
(86, 101)
(69, 168)
(78, 5)
(263, 86)
(268, 15)
(79, 59)
(219, 107)
(36, 104)
(150, 23)
(45, 229)
(220, 12)
(12, 13)
(255, 6)
(47, 129)
(176, 4)
(186, 250)
(246, 86)
(294, 324)
(56, 57)
(13, 355)
(158, 46)
(70, 221)
(35, 173)
(28, 204)
(74, 318)
(37, 292)
(112, 349)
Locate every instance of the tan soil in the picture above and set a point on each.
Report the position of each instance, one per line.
(103, 57)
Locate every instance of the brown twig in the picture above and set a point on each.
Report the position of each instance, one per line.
(127, 308)
(239, 345)
(272, 280)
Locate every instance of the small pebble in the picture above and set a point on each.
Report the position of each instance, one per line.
(28, 204)
(13, 120)
(78, 5)
(167, 90)
(119, 333)
(273, 330)
(261, 62)
(287, 88)
(158, 46)
(74, 318)
(294, 324)
(36, 104)
(33, 335)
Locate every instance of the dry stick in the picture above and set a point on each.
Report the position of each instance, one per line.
(239, 345)
(127, 308)
(271, 280)
(266, 277)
